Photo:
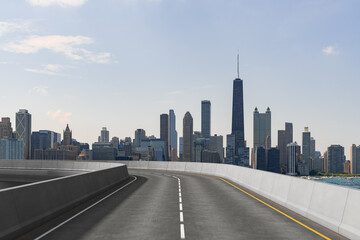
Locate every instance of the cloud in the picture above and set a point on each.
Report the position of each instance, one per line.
(330, 50)
(66, 45)
(176, 92)
(60, 116)
(39, 90)
(14, 26)
(61, 3)
(48, 69)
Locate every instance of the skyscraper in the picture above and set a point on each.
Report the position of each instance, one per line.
(284, 138)
(335, 159)
(293, 152)
(273, 160)
(355, 159)
(164, 121)
(187, 137)
(5, 128)
(23, 130)
(172, 136)
(230, 149)
(139, 136)
(104, 135)
(43, 139)
(238, 114)
(216, 144)
(206, 118)
(262, 129)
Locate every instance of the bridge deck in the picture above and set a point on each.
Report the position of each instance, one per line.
(149, 208)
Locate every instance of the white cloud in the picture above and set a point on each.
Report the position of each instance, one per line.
(60, 116)
(62, 3)
(14, 26)
(39, 90)
(66, 45)
(48, 69)
(176, 92)
(330, 50)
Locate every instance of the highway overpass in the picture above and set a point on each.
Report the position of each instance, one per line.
(203, 201)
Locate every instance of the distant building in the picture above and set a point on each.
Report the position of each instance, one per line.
(210, 156)
(44, 139)
(238, 115)
(206, 118)
(273, 160)
(335, 159)
(104, 153)
(181, 148)
(104, 135)
(355, 159)
(85, 155)
(164, 132)
(347, 167)
(216, 144)
(262, 129)
(198, 148)
(306, 148)
(11, 149)
(188, 138)
(5, 128)
(156, 147)
(284, 138)
(230, 149)
(294, 155)
(67, 136)
(260, 158)
(23, 130)
(115, 142)
(139, 136)
(172, 136)
(65, 151)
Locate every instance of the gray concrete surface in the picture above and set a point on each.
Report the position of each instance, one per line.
(149, 209)
(27, 206)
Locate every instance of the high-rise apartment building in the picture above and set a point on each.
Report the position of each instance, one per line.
(294, 155)
(5, 128)
(23, 130)
(355, 159)
(164, 132)
(206, 118)
(181, 148)
(172, 136)
(187, 137)
(306, 146)
(335, 159)
(262, 129)
(284, 138)
(260, 158)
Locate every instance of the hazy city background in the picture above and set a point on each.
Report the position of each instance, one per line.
(120, 64)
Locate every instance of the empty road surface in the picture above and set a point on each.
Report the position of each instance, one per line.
(164, 205)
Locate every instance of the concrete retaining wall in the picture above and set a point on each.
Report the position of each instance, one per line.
(333, 206)
(27, 206)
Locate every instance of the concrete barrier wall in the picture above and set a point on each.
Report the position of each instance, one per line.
(27, 206)
(333, 206)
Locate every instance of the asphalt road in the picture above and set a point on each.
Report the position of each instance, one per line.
(163, 205)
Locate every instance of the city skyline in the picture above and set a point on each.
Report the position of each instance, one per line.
(59, 87)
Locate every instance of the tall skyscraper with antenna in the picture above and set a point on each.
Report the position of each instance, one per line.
(238, 111)
(241, 152)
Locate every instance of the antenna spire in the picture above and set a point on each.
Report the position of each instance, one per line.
(238, 74)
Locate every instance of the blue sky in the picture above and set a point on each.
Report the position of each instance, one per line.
(121, 63)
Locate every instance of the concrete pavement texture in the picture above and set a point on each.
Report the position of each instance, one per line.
(156, 204)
